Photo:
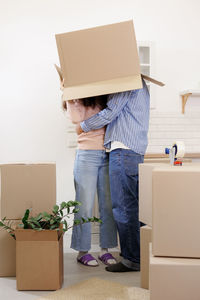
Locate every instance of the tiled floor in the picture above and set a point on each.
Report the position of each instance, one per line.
(73, 273)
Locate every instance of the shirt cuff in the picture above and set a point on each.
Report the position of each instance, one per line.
(84, 127)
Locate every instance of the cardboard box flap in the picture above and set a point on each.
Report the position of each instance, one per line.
(98, 54)
(99, 88)
(58, 69)
(152, 80)
(103, 88)
(33, 235)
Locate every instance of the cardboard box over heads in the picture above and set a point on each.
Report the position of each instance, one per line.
(26, 186)
(39, 259)
(98, 61)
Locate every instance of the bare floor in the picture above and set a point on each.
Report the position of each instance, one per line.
(73, 273)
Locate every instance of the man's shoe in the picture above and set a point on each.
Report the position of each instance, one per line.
(120, 267)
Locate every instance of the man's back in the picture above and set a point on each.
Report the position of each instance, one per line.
(127, 119)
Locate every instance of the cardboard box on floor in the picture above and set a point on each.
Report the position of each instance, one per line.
(100, 60)
(145, 239)
(25, 186)
(39, 259)
(8, 252)
(176, 206)
(174, 278)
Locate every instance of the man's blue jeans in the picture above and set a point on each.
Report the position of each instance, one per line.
(123, 169)
(90, 175)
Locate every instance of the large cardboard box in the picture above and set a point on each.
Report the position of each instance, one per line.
(145, 185)
(25, 186)
(176, 206)
(174, 278)
(145, 239)
(39, 259)
(100, 60)
(8, 252)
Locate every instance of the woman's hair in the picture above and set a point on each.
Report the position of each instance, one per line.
(100, 101)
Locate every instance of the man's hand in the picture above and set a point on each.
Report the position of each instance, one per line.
(79, 130)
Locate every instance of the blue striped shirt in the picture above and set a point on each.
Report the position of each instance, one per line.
(127, 119)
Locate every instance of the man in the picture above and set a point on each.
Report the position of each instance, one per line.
(127, 120)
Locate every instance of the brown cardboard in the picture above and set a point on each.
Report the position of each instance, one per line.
(25, 186)
(145, 239)
(176, 206)
(39, 259)
(145, 185)
(152, 80)
(145, 191)
(174, 278)
(8, 252)
(99, 60)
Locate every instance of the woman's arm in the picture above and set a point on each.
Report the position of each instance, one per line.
(76, 111)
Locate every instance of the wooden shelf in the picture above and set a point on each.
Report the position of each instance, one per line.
(185, 95)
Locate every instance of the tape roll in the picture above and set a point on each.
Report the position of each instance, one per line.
(180, 149)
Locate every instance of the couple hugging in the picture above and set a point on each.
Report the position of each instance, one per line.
(118, 123)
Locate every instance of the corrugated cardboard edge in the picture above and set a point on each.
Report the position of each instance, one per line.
(34, 235)
(102, 88)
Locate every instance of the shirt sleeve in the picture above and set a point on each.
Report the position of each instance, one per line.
(116, 103)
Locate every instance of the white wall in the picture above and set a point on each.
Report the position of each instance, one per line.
(32, 125)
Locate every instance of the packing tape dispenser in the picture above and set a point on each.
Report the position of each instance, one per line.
(176, 153)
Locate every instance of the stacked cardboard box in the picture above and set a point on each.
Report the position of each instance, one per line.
(22, 186)
(176, 206)
(174, 278)
(175, 229)
(145, 240)
(145, 213)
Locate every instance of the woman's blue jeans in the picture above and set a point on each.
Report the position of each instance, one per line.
(123, 168)
(91, 175)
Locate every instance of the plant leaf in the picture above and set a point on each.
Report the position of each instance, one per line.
(55, 209)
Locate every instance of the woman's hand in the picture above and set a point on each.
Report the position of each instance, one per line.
(79, 130)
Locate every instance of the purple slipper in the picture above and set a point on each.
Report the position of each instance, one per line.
(84, 260)
(105, 257)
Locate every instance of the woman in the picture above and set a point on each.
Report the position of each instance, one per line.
(91, 175)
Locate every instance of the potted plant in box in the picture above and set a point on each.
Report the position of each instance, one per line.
(39, 246)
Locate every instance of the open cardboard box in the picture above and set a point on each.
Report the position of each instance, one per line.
(100, 60)
(39, 259)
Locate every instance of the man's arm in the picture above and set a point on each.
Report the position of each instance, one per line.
(116, 103)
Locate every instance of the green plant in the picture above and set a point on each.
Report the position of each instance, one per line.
(56, 220)
(7, 225)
